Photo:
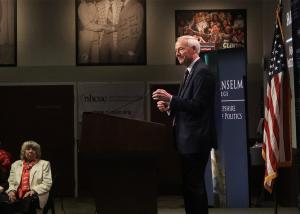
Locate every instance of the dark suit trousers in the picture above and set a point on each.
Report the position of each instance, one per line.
(194, 191)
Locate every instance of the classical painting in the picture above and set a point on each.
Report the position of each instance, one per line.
(8, 34)
(215, 29)
(110, 32)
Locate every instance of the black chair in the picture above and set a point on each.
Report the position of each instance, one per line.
(50, 203)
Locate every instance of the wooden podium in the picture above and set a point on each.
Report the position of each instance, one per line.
(117, 163)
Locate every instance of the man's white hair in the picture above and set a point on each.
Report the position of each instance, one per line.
(191, 41)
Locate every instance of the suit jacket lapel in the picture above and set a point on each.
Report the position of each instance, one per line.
(18, 172)
(180, 88)
(187, 83)
(32, 172)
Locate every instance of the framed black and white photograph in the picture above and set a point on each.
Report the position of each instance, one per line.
(215, 29)
(110, 32)
(8, 33)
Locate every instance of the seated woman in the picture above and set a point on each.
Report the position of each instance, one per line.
(29, 181)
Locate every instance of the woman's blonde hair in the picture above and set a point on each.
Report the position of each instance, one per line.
(31, 144)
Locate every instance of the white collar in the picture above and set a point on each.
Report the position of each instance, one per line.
(189, 68)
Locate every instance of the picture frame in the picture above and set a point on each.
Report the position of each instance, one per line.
(215, 29)
(110, 32)
(8, 33)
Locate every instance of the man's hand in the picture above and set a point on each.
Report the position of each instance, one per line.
(163, 106)
(12, 196)
(161, 95)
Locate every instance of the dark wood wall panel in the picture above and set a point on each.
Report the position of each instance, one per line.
(43, 113)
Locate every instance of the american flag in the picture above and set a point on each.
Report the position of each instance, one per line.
(277, 130)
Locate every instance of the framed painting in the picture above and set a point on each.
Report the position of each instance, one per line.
(110, 32)
(8, 33)
(215, 29)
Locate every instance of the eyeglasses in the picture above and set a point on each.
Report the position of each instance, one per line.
(180, 50)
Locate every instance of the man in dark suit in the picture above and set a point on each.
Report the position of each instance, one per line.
(192, 110)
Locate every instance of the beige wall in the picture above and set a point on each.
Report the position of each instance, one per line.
(46, 45)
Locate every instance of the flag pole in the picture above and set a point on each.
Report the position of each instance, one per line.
(277, 139)
(275, 196)
(278, 10)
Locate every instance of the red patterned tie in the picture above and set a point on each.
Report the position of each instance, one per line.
(24, 187)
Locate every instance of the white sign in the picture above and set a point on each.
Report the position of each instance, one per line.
(118, 99)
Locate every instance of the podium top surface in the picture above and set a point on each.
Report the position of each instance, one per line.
(105, 134)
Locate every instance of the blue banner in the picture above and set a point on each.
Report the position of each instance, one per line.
(231, 123)
(295, 8)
